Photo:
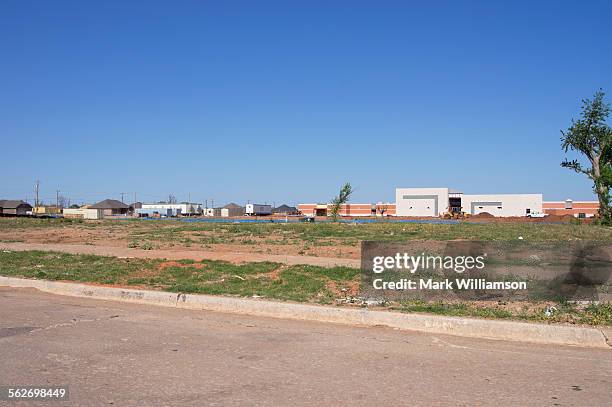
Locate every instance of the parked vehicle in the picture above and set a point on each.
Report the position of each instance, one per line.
(536, 215)
(258, 209)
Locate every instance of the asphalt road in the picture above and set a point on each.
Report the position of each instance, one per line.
(111, 353)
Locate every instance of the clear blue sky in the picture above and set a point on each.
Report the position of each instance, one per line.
(282, 102)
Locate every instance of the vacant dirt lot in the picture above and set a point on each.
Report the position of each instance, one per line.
(167, 237)
(246, 242)
(236, 257)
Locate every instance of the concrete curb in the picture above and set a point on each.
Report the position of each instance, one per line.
(468, 327)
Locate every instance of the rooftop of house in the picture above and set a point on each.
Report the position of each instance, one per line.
(232, 205)
(109, 204)
(12, 203)
(285, 208)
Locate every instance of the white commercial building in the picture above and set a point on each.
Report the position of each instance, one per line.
(83, 213)
(184, 209)
(503, 204)
(421, 201)
(436, 202)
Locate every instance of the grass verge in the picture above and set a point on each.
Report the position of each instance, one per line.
(265, 279)
(299, 283)
(565, 312)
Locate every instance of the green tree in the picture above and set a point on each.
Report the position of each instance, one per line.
(592, 136)
(341, 199)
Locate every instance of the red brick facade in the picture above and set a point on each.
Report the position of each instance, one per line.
(575, 208)
(351, 209)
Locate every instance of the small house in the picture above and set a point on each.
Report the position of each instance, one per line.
(111, 207)
(15, 207)
(285, 210)
(232, 209)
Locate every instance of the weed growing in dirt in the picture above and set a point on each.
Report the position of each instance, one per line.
(565, 312)
(70, 267)
(302, 283)
(265, 279)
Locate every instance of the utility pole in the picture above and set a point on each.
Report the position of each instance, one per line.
(122, 193)
(57, 198)
(36, 189)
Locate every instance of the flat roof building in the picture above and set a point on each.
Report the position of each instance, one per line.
(578, 209)
(349, 209)
(436, 202)
(171, 209)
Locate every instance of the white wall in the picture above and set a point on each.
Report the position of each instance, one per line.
(502, 204)
(84, 213)
(184, 208)
(421, 201)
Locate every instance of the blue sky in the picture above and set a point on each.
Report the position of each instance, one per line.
(284, 101)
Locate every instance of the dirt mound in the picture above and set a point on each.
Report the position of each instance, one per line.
(482, 215)
(558, 218)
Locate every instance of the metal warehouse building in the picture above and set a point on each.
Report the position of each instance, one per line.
(438, 201)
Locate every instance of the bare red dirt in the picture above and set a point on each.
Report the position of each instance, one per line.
(121, 237)
(180, 254)
(166, 264)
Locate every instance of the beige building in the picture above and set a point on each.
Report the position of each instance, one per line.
(46, 210)
(83, 213)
